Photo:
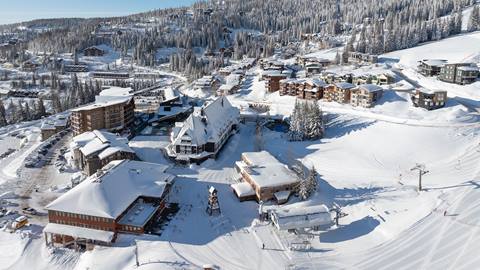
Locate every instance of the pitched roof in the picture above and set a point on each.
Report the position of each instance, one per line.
(370, 87)
(111, 191)
(101, 142)
(266, 171)
(207, 123)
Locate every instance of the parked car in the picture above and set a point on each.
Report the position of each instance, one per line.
(29, 211)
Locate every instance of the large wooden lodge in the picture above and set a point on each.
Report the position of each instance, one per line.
(124, 197)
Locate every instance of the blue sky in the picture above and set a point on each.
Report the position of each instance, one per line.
(12, 11)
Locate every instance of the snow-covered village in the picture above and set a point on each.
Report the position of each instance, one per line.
(240, 134)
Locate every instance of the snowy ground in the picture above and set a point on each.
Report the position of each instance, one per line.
(364, 162)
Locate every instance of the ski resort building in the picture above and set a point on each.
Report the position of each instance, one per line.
(204, 132)
(93, 51)
(338, 92)
(206, 84)
(124, 197)
(429, 99)
(310, 89)
(108, 112)
(431, 67)
(365, 95)
(50, 128)
(459, 73)
(303, 60)
(294, 218)
(266, 177)
(94, 149)
(357, 57)
(273, 78)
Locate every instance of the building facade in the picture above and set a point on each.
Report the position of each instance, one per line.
(204, 132)
(126, 197)
(431, 67)
(338, 92)
(267, 177)
(117, 114)
(429, 100)
(365, 95)
(459, 73)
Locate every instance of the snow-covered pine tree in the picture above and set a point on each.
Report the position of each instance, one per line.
(3, 115)
(315, 121)
(474, 20)
(312, 180)
(303, 189)
(294, 129)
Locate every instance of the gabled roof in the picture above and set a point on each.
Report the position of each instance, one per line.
(206, 123)
(101, 142)
(109, 192)
(370, 88)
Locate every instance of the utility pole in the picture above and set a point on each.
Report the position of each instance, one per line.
(421, 171)
(136, 254)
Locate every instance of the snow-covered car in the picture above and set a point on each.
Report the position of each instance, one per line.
(29, 211)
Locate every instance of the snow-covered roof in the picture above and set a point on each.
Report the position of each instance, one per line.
(243, 189)
(109, 192)
(114, 94)
(434, 62)
(103, 101)
(139, 214)
(297, 217)
(79, 232)
(117, 91)
(101, 142)
(207, 123)
(266, 171)
(370, 88)
(344, 85)
(47, 125)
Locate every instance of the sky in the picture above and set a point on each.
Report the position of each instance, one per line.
(13, 11)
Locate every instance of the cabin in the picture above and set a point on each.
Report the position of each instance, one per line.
(125, 196)
(365, 95)
(338, 92)
(357, 57)
(295, 218)
(459, 73)
(203, 134)
(430, 67)
(429, 99)
(93, 51)
(30, 66)
(94, 149)
(206, 84)
(266, 177)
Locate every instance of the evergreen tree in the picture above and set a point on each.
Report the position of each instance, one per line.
(474, 20)
(3, 115)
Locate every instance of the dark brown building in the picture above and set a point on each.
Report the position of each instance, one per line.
(125, 197)
(93, 51)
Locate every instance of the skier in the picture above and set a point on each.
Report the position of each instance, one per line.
(445, 213)
(263, 245)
